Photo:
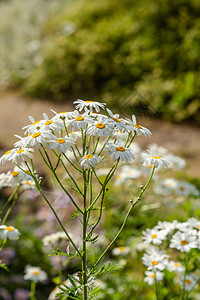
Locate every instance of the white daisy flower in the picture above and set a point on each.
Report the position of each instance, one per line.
(54, 239)
(6, 156)
(121, 136)
(39, 137)
(150, 159)
(168, 227)
(183, 241)
(34, 126)
(5, 179)
(155, 261)
(34, 274)
(89, 105)
(190, 282)
(9, 232)
(124, 153)
(64, 116)
(140, 130)
(175, 266)
(166, 186)
(193, 222)
(121, 251)
(175, 162)
(49, 124)
(80, 120)
(21, 154)
(186, 189)
(151, 275)
(28, 185)
(154, 236)
(89, 161)
(74, 135)
(119, 123)
(62, 144)
(101, 127)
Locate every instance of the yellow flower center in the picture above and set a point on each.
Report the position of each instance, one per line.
(198, 226)
(138, 126)
(188, 281)
(64, 112)
(121, 249)
(35, 135)
(154, 263)
(48, 122)
(154, 236)
(14, 173)
(121, 149)
(181, 188)
(116, 120)
(27, 171)
(89, 101)
(20, 151)
(28, 182)
(184, 242)
(7, 152)
(156, 157)
(9, 228)
(60, 141)
(88, 156)
(100, 125)
(177, 264)
(80, 118)
(150, 167)
(152, 275)
(36, 273)
(36, 122)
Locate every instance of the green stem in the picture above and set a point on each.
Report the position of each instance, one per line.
(10, 198)
(124, 222)
(61, 185)
(55, 214)
(156, 287)
(3, 244)
(33, 290)
(104, 145)
(84, 256)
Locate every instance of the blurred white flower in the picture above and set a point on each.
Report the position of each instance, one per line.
(150, 159)
(9, 232)
(154, 236)
(121, 251)
(175, 266)
(151, 275)
(140, 130)
(34, 274)
(155, 261)
(190, 282)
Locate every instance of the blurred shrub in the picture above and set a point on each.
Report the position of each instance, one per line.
(20, 37)
(146, 51)
(123, 52)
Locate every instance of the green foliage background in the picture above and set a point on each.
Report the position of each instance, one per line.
(124, 51)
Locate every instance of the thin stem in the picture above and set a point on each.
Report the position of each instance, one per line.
(84, 256)
(95, 147)
(55, 214)
(124, 222)
(10, 198)
(3, 244)
(61, 185)
(156, 287)
(104, 145)
(134, 135)
(71, 163)
(33, 289)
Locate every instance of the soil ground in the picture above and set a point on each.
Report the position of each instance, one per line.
(181, 139)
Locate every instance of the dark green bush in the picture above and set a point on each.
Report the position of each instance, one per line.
(124, 51)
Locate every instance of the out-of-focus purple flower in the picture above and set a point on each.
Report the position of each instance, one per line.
(6, 255)
(5, 295)
(21, 294)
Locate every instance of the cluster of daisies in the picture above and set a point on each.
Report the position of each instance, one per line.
(18, 177)
(61, 132)
(183, 237)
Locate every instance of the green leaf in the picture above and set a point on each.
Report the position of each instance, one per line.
(107, 268)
